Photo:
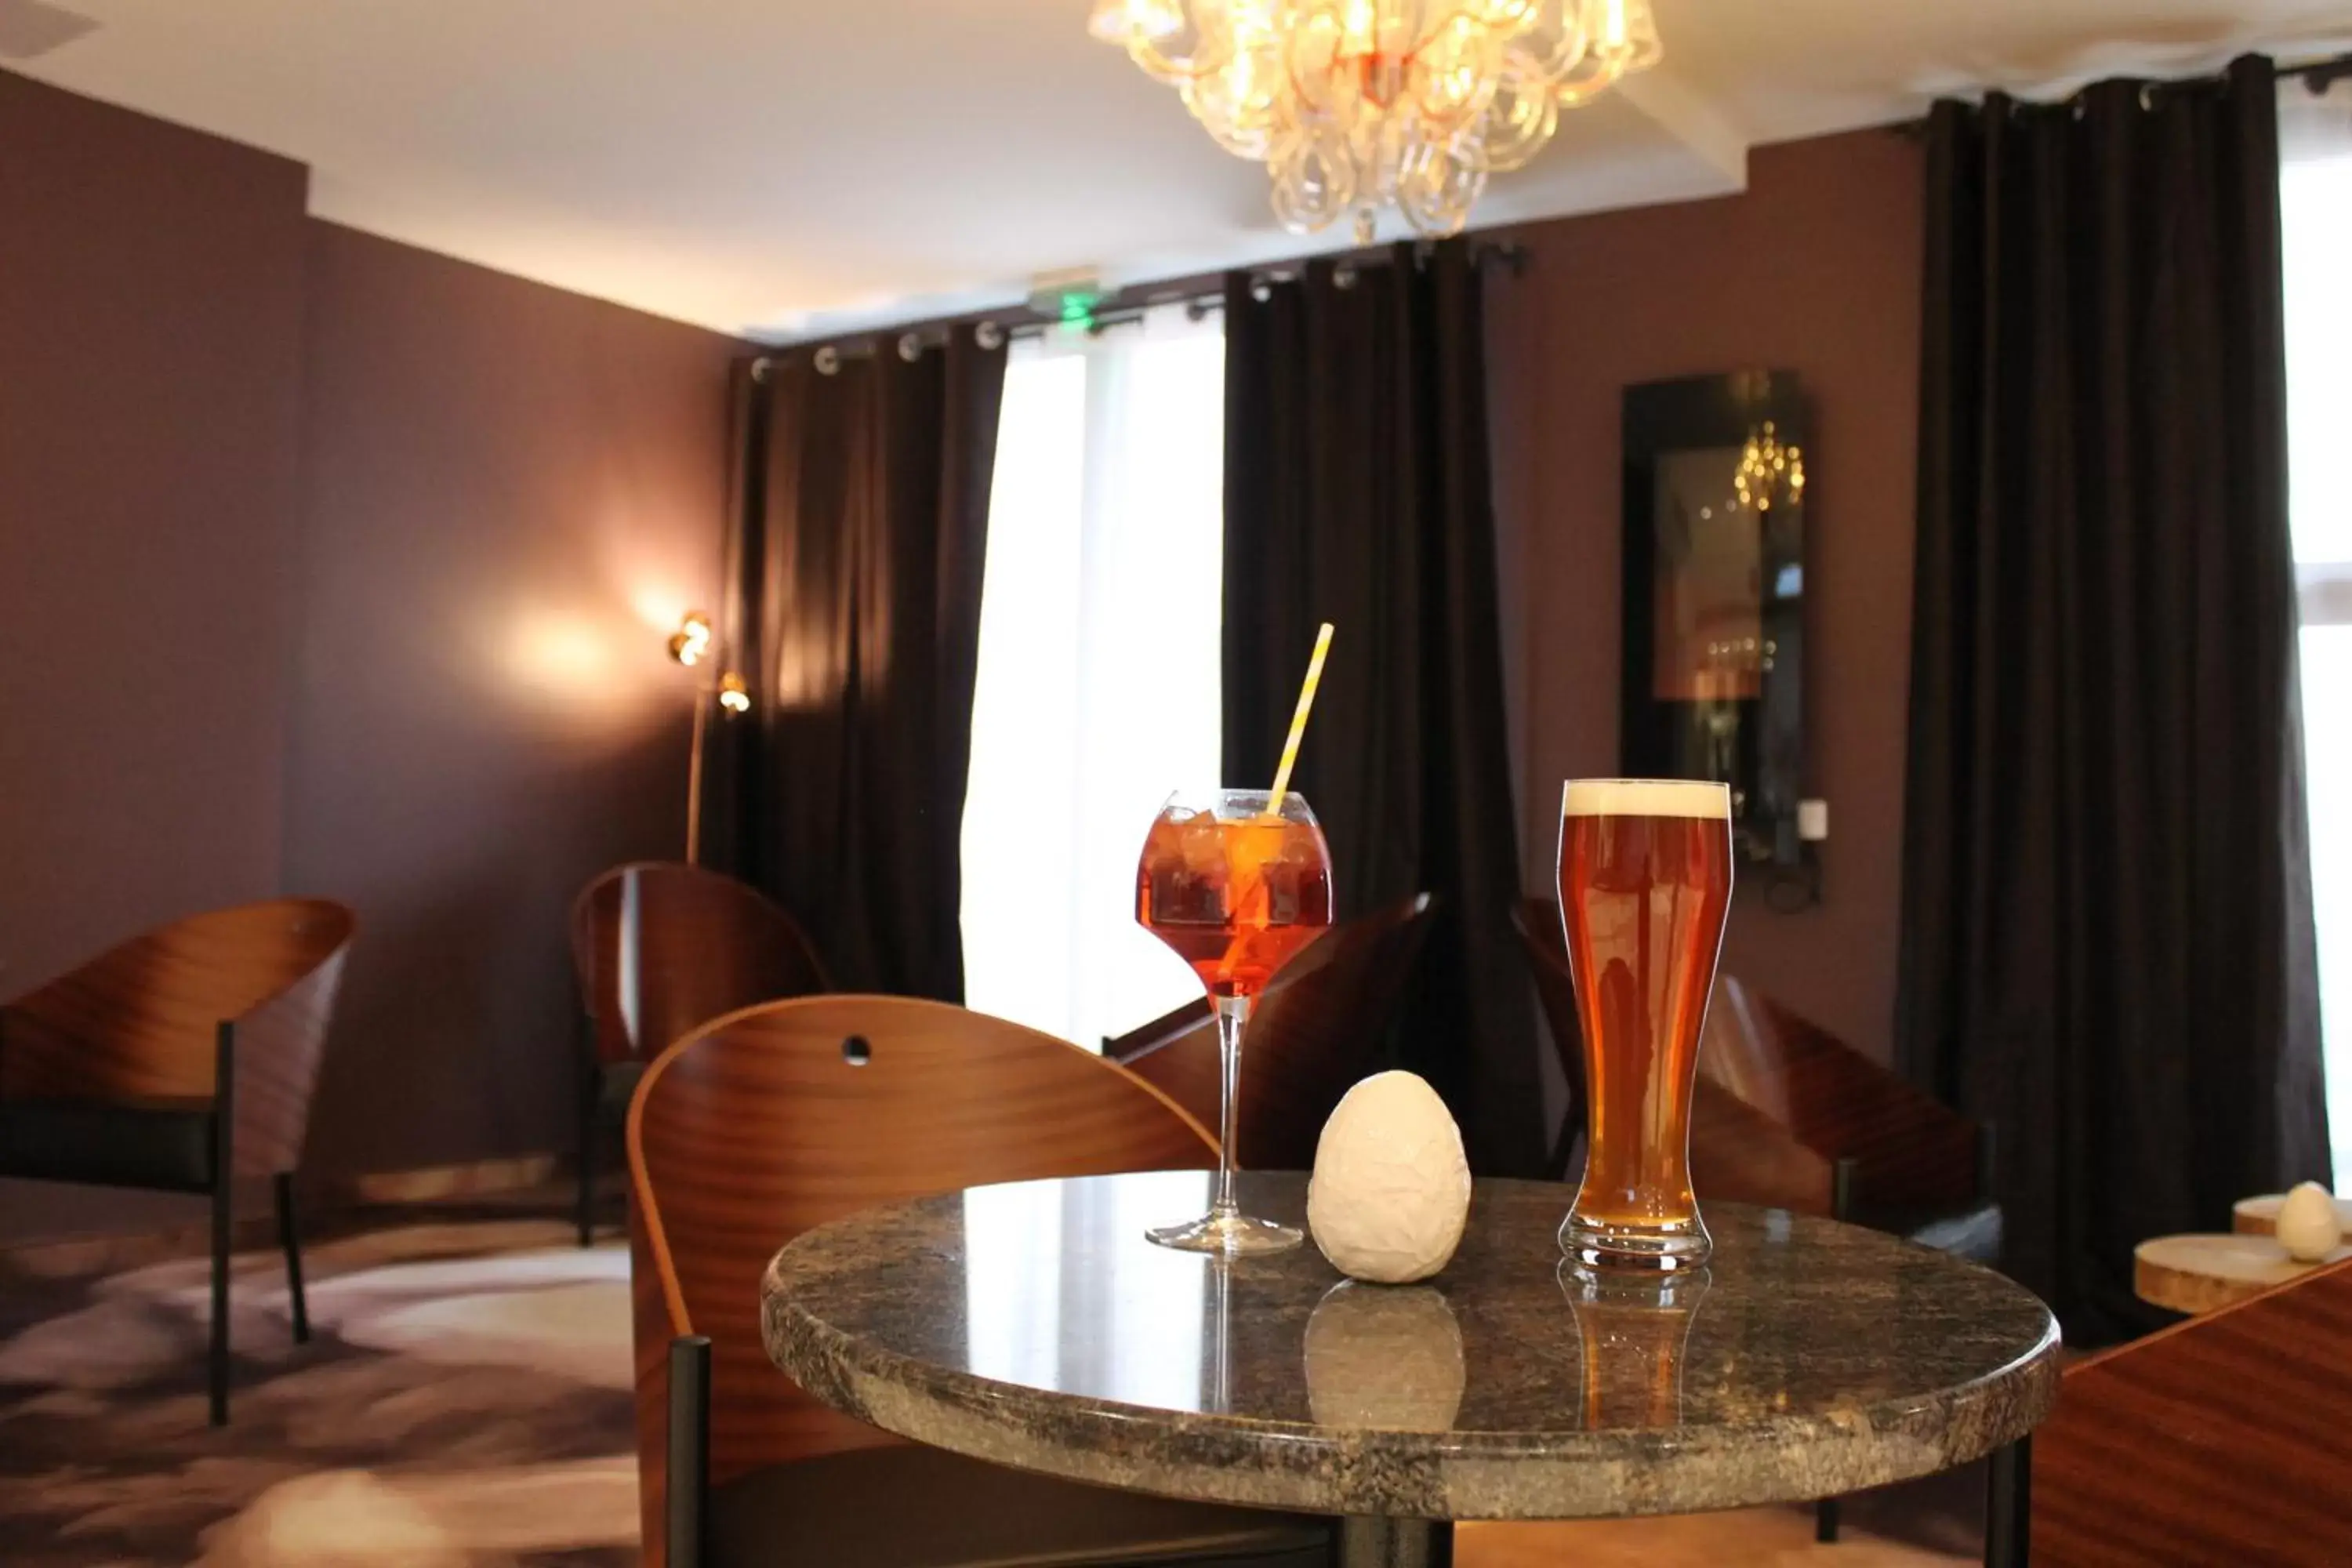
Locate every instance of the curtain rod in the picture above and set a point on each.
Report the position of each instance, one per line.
(2321, 75)
(994, 331)
(2317, 76)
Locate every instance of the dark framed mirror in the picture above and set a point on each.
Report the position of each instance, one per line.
(1715, 494)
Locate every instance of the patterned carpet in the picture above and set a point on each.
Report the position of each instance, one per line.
(463, 1404)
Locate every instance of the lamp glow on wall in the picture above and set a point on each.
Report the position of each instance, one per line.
(690, 646)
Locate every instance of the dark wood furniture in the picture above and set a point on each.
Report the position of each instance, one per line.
(2227, 1438)
(1899, 1159)
(659, 949)
(1318, 1029)
(1784, 1113)
(763, 1125)
(182, 1060)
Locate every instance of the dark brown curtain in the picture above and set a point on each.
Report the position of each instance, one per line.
(863, 498)
(1357, 493)
(2107, 937)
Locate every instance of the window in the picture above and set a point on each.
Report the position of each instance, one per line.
(2315, 195)
(1099, 688)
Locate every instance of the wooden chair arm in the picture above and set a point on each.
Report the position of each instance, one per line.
(1907, 1149)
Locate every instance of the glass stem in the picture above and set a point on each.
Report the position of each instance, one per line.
(1233, 1014)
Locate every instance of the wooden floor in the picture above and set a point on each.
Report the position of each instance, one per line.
(1761, 1537)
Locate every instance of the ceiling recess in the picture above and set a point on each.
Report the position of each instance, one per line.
(31, 28)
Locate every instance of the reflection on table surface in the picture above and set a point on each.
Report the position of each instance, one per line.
(1050, 1286)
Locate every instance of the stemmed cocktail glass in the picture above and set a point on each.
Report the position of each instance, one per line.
(1236, 881)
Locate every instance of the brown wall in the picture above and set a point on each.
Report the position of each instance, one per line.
(1815, 268)
(150, 358)
(511, 494)
(330, 566)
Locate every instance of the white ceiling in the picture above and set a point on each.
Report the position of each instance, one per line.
(793, 166)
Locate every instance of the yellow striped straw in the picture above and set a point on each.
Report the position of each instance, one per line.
(1298, 719)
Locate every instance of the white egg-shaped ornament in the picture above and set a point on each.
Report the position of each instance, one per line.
(1391, 1191)
(2308, 1226)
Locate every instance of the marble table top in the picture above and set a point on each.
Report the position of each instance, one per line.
(1033, 1325)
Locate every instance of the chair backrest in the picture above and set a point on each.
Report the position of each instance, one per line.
(1738, 1153)
(1544, 941)
(660, 948)
(139, 1020)
(1316, 1030)
(1908, 1149)
(782, 1117)
(2226, 1438)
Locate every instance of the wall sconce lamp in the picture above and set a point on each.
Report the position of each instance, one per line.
(690, 645)
(692, 638)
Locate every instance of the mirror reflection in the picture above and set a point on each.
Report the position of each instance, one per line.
(1715, 486)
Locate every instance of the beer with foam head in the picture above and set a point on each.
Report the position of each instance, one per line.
(1644, 884)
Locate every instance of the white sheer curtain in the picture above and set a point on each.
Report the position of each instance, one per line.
(1099, 689)
(2315, 198)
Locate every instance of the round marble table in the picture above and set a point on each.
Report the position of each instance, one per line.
(1033, 1325)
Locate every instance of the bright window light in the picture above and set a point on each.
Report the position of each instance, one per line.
(2315, 195)
(1099, 687)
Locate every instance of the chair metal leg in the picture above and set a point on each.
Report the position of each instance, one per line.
(2009, 1505)
(291, 1243)
(224, 1164)
(687, 1480)
(590, 1075)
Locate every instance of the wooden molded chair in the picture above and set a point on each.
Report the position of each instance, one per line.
(180, 1061)
(660, 949)
(1900, 1159)
(782, 1117)
(2226, 1438)
(1315, 1032)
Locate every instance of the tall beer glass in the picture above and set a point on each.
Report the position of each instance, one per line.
(1644, 882)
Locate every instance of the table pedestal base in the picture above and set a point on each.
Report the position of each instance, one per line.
(1396, 1543)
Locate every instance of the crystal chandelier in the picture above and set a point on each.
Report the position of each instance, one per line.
(1363, 104)
(1768, 470)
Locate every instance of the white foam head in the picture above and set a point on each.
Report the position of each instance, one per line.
(1646, 797)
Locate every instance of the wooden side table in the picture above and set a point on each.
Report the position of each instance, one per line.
(2196, 1274)
(2259, 1216)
